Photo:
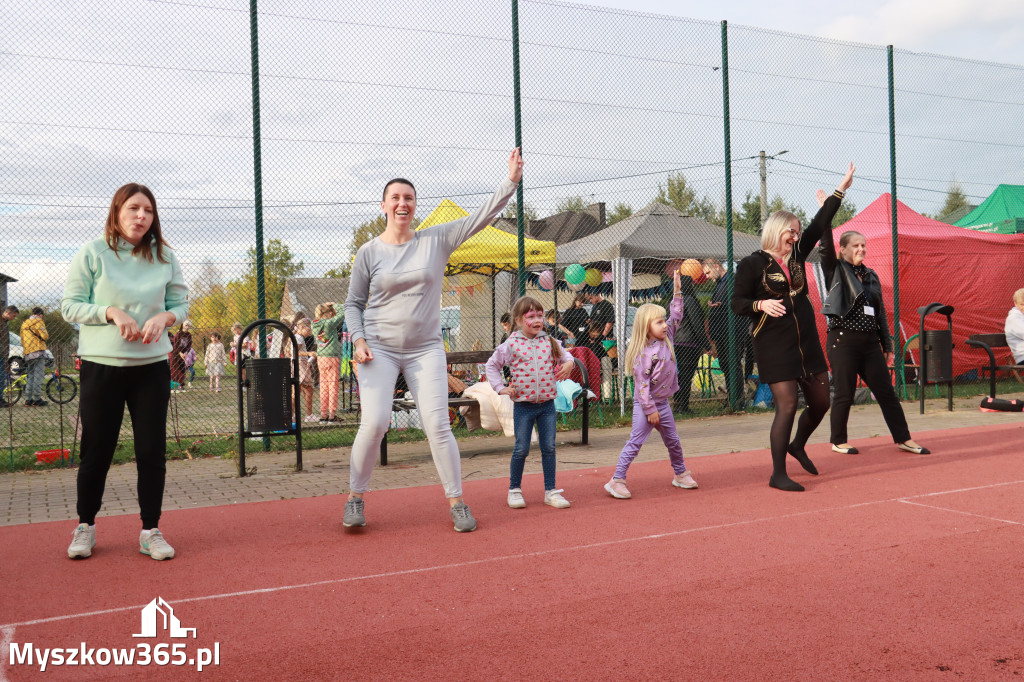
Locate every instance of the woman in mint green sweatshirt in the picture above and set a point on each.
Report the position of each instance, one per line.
(124, 290)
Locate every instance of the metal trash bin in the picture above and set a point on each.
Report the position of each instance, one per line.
(938, 353)
(268, 389)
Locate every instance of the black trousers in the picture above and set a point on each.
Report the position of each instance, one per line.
(852, 354)
(106, 391)
(687, 359)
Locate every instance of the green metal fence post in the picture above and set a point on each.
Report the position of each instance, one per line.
(257, 167)
(732, 357)
(516, 97)
(897, 336)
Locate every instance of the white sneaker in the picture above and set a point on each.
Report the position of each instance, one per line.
(553, 498)
(82, 541)
(311, 419)
(515, 498)
(684, 480)
(152, 543)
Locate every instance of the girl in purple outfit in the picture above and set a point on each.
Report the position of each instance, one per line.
(655, 380)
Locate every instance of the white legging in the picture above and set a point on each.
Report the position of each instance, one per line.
(427, 375)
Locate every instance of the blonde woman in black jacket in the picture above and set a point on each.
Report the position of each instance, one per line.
(858, 342)
(771, 287)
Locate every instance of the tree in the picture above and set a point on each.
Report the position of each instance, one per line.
(209, 311)
(207, 277)
(677, 194)
(748, 219)
(512, 210)
(338, 273)
(956, 200)
(683, 198)
(574, 204)
(278, 265)
(620, 212)
(847, 209)
(367, 231)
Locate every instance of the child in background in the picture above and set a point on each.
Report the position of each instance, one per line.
(652, 357)
(214, 360)
(190, 365)
(307, 359)
(537, 361)
(595, 342)
(554, 327)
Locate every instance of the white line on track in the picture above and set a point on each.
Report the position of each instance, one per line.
(8, 628)
(959, 511)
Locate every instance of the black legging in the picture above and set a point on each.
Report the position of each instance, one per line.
(784, 393)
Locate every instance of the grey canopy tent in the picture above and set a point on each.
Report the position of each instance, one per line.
(643, 242)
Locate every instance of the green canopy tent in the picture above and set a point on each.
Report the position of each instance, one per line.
(1002, 212)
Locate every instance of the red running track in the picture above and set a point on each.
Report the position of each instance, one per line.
(890, 566)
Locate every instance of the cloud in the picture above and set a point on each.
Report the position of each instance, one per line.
(976, 30)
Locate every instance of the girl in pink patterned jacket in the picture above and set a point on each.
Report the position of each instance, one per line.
(537, 361)
(655, 380)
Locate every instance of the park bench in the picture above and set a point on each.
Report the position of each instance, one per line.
(478, 358)
(988, 342)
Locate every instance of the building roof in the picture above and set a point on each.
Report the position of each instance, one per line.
(305, 293)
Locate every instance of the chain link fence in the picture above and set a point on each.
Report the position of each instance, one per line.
(639, 161)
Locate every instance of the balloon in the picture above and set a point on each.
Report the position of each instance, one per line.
(691, 268)
(575, 274)
(672, 266)
(592, 277)
(577, 286)
(546, 280)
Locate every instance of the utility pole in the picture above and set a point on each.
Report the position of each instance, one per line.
(764, 183)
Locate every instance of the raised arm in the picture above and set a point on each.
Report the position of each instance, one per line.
(461, 230)
(822, 220)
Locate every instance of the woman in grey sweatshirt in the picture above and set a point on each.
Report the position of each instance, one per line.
(394, 316)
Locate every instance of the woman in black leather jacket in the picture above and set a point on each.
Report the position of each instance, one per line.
(859, 343)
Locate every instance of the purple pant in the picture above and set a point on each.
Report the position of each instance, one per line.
(642, 429)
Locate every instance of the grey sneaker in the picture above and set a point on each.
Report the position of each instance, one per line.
(463, 518)
(354, 513)
(153, 544)
(82, 542)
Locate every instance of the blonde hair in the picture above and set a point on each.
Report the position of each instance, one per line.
(524, 305)
(1018, 296)
(323, 308)
(645, 314)
(775, 227)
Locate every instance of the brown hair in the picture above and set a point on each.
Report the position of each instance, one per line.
(845, 238)
(524, 305)
(112, 234)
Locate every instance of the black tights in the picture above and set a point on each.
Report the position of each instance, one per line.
(784, 393)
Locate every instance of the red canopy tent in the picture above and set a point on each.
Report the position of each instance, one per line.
(975, 272)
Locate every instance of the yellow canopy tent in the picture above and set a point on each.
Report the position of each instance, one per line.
(489, 250)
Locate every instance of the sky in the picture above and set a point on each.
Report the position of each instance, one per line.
(989, 31)
(616, 97)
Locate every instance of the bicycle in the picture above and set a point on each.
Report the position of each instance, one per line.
(60, 389)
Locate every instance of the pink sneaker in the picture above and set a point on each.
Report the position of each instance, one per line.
(684, 480)
(617, 489)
